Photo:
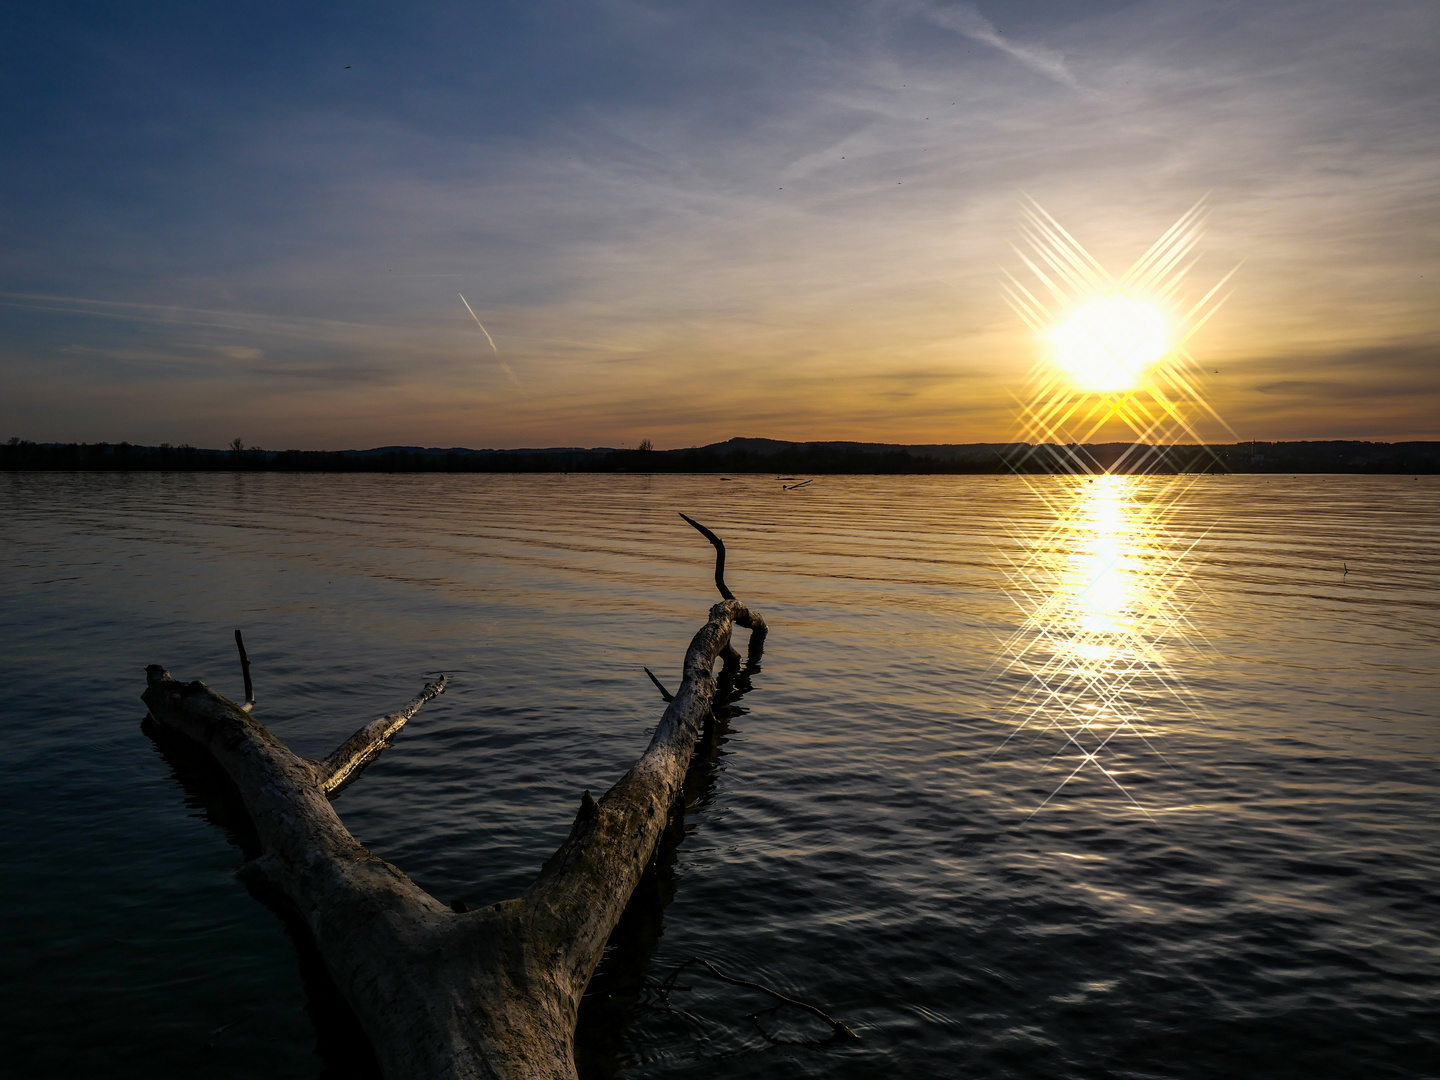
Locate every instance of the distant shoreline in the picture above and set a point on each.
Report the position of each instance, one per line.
(741, 455)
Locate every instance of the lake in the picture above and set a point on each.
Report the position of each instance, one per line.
(1045, 778)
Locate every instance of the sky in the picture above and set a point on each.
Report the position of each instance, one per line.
(686, 221)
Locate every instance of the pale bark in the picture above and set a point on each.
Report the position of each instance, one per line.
(492, 993)
(347, 759)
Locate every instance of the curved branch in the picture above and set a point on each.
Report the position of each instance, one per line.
(347, 759)
(719, 556)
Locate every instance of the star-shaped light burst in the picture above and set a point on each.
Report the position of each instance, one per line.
(1101, 573)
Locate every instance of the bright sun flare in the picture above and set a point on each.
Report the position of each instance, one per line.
(1105, 583)
(1109, 345)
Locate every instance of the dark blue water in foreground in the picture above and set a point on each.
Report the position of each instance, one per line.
(1263, 900)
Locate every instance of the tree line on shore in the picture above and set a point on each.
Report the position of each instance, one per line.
(746, 456)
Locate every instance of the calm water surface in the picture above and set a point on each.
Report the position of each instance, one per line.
(1262, 898)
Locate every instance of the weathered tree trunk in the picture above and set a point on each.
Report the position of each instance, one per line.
(492, 993)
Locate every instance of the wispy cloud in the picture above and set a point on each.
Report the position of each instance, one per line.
(966, 20)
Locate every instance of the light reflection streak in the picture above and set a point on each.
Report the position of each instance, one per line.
(1103, 580)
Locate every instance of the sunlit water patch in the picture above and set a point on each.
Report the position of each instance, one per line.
(1103, 579)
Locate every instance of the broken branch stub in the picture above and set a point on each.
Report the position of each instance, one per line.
(347, 759)
(488, 994)
(245, 673)
(665, 694)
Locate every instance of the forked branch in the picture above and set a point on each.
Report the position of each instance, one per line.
(440, 991)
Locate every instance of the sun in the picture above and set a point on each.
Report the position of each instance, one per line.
(1109, 345)
(1105, 585)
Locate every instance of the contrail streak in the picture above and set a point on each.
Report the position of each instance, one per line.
(503, 366)
(478, 322)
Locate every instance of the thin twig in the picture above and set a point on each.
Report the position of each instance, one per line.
(245, 673)
(839, 1031)
(210, 1043)
(792, 487)
(660, 686)
(719, 556)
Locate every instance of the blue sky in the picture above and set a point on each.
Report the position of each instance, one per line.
(687, 221)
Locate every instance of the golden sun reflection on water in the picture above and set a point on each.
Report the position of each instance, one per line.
(1103, 572)
(1103, 588)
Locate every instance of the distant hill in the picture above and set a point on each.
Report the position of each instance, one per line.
(747, 455)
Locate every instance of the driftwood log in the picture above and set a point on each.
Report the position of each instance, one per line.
(492, 993)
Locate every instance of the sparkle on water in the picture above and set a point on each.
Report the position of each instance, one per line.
(1104, 588)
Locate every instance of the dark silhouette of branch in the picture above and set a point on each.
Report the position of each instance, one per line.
(245, 673)
(660, 686)
(719, 556)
